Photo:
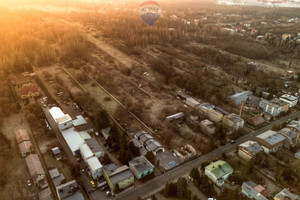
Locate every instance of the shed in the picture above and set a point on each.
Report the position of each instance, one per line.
(25, 148)
(22, 135)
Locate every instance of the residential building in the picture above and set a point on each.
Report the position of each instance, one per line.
(240, 98)
(233, 122)
(139, 134)
(284, 105)
(141, 167)
(118, 177)
(270, 108)
(256, 121)
(82, 124)
(25, 148)
(56, 153)
(292, 100)
(154, 146)
(95, 147)
(69, 191)
(208, 127)
(253, 101)
(21, 135)
(214, 115)
(45, 194)
(270, 141)
(248, 149)
(105, 132)
(218, 172)
(56, 177)
(139, 145)
(254, 191)
(85, 152)
(145, 137)
(95, 167)
(36, 170)
(295, 126)
(290, 137)
(286, 194)
(28, 90)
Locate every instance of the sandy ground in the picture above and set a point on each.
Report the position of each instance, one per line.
(18, 175)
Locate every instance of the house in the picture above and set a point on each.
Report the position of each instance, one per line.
(36, 170)
(56, 177)
(139, 145)
(85, 152)
(176, 116)
(81, 124)
(253, 101)
(118, 177)
(95, 147)
(270, 141)
(45, 194)
(284, 105)
(21, 135)
(28, 90)
(25, 148)
(292, 100)
(154, 146)
(95, 167)
(290, 137)
(105, 132)
(214, 115)
(64, 122)
(286, 194)
(141, 167)
(233, 122)
(207, 127)
(254, 191)
(295, 125)
(56, 153)
(256, 121)
(218, 172)
(240, 98)
(270, 108)
(248, 149)
(69, 191)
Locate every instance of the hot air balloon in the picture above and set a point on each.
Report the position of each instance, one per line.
(150, 12)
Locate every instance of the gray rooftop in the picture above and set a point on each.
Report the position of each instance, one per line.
(238, 98)
(117, 174)
(140, 133)
(271, 137)
(253, 100)
(286, 194)
(106, 131)
(145, 137)
(56, 177)
(154, 145)
(136, 143)
(79, 121)
(234, 118)
(69, 191)
(288, 132)
(252, 146)
(289, 97)
(248, 187)
(279, 102)
(264, 101)
(141, 164)
(93, 145)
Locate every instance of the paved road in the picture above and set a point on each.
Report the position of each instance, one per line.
(157, 183)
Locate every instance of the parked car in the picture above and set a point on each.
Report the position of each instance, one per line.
(232, 141)
(108, 193)
(93, 184)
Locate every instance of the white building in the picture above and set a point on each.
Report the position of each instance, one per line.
(56, 113)
(95, 167)
(73, 139)
(86, 152)
(64, 122)
(292, 100)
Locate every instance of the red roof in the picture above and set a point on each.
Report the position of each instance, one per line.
(28, 88)
(21, 135)
(256, 120)
(25, 146)
(34, 165)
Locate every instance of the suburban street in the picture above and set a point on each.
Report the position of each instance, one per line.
(157, 183)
